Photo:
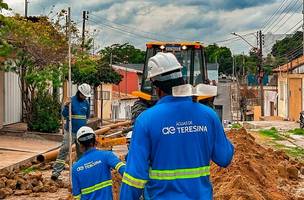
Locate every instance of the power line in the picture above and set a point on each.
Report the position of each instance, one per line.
(299, 8)
(139, 30)
(234, 39)
(294, 26)
(272, 16)
(121, 30)
(281, 17)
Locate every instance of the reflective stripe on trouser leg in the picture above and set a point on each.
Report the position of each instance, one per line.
(59, 164)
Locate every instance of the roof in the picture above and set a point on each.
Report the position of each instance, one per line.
(291, 65)
(122, 96)
(177, 43)
(137, 68)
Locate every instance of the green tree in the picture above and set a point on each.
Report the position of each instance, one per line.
(222, 55)
(288, 48)
(94, 72)
(122, 53)
(36, 50)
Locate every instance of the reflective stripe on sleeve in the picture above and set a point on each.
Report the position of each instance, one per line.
(96, 187)
(179, 173)
(119, 165)
(77, 197)
(134, 182)
(79, 117)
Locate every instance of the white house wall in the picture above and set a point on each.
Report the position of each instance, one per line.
(282, 97)
(12, 98)
(269, 96)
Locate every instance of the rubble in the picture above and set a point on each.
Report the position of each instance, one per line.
(255, 173)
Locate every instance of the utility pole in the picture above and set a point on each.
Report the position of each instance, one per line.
(233, 68)
(243, 64)
(70, 93)
(260, 70)
(84, 18)
(303, 26)
(25, 8)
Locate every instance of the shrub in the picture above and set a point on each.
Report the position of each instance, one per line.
(236, 126)
(45, 114)
(273, 133)
(297, 131)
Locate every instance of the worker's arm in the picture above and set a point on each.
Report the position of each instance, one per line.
(222, 152)
(75, 185)
(88, 110)
(115, 163)
(137, 169)
(65, 111)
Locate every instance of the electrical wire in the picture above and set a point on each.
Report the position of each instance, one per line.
(139, 30)
(299, 8)
(272, 16)
(281, 17)
(120, 30)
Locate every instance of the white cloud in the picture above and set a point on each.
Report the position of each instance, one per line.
(207, 21)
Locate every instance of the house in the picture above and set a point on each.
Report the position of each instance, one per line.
(290, 89)
(212, 71)
(222, 102)
(270, 100)
(10, 99)
(131, 80)
(121, 106)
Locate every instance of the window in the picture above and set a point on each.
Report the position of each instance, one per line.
(106, 95)
(128, 112)
(281, 91)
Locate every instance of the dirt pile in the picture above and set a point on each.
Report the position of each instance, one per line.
(28, 181)
(256, 173)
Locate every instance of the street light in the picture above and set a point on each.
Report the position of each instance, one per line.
(238, 35)
(260, 56)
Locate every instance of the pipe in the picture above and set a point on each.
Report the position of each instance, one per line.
(51, 155)
(102, 131)
(118, 124)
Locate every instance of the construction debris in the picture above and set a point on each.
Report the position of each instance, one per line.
(28, 181)
(256, 173)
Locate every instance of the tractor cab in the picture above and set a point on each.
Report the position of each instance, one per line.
(190, 55)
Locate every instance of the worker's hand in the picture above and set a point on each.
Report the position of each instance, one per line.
(66, 102)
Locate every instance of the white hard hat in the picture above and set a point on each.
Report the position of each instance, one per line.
(85, 89)
(129, 135)
(163, 63)
(85, 133)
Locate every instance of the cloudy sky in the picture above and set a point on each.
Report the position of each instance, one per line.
(209, 21)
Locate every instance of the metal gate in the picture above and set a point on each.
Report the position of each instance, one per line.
(12, 98)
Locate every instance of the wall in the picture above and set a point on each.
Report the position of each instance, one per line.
(107, 103)
(1, 98)
(283, 98)
(129, 82)
(123, 105)
(270, 96)
(223, 99)
(282, 95)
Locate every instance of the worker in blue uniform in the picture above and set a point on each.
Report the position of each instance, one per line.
(80, 116)
(174, 142)
(91, 174)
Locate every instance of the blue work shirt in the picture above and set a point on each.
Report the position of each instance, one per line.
(171, 148)
(80, 114)
(91, 175)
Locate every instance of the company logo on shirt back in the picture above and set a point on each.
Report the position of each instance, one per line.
(88, 165)
(184, 127)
